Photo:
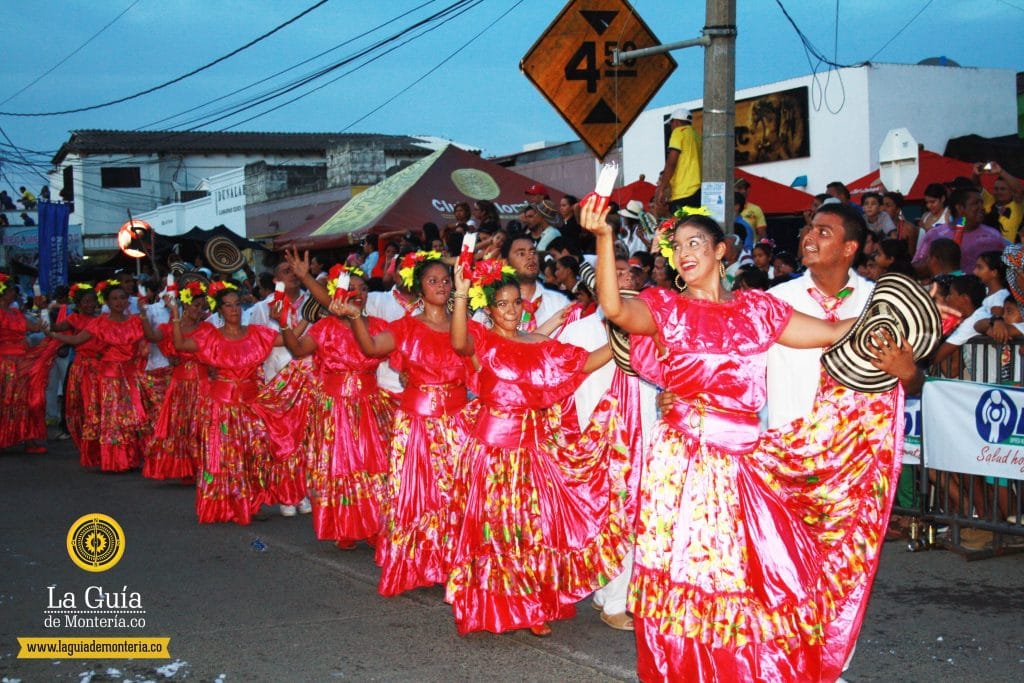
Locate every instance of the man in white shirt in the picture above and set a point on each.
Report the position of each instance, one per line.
(390, 305)
(831, 290)
(265, 313)
(539, 304)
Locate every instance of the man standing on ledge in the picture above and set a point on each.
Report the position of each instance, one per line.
(679, 184)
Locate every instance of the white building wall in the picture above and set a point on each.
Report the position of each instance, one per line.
(225, 205)
(935, 103)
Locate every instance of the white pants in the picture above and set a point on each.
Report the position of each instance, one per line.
(612, 598)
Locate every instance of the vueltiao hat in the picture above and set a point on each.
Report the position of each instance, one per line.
(222, 255)
(902, 307)
(1013, 259)
(618, 339)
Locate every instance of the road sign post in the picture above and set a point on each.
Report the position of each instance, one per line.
(574, 65)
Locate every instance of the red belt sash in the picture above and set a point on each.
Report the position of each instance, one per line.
(187, 371)
(511, 429)
(234, 391)
(349, 384)
(734, 431)
(434, 400)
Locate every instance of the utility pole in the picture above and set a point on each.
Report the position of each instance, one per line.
(718, 159)
(718, 156)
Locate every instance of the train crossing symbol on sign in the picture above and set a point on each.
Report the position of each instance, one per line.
(571, 64)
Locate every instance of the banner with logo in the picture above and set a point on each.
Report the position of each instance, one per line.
(973, 428)
(912, 431)
(53, 245)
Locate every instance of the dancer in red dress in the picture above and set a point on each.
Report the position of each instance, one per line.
(349, 468)
(115, 418)
(172, 451)
(750, 548)
(234, 446)
(18, 423)
(543, 526)
(80, 384)
(418, 519)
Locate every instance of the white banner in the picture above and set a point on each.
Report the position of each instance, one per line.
(912, 431)
(973, 428)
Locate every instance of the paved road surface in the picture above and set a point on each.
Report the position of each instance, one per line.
(301, 610)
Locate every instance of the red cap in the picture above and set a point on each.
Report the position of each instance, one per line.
(537, 188)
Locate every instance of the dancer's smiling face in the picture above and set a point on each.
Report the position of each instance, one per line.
(506, 310)
(696, 255)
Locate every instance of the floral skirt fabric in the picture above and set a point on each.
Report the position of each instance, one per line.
(544, 522)
(18, 421)
(79, 392)
(114, 421)
(418, 519)
(349, 470)
(758, 565)
(286, 404)
(173, 449)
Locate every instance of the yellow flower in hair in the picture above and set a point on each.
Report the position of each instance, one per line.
(410, 261)
(693, 211)
(477, 297)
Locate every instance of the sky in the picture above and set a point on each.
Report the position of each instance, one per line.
(459, 80)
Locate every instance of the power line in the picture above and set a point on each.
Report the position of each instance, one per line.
(174, 80)
(71, 54)
(904, 28)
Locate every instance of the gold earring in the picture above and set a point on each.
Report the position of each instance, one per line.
(680, 283)
(721, 270)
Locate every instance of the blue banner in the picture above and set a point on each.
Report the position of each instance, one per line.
(53, 245)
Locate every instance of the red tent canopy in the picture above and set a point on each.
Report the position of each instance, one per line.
(932, 168)
(638, 189)
(772, 197)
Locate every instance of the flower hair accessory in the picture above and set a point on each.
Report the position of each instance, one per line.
(190, 291)
(664, 236)
(76, 289)
(102, 286)
(214, 289)
(410, 261)
(4, 277)
(338, 281)
(488, 276)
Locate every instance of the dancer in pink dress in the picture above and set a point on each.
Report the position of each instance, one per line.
(115, 418)
(754, 552)
(172, 450)
(18, 423)
(233, 444)
(349, 468)
(543, 525)
(418, 519)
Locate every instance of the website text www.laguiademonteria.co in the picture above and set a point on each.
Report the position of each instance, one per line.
(88, 647)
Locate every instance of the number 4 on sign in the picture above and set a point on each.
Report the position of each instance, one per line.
(582, 65)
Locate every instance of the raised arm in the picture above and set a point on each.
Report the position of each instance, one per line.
(152, 334)
(180, 342)
(299, 347)
(462, 341)
(598, 358)
(300, 266)
(72, 339)
(804, 332)
(629, 314)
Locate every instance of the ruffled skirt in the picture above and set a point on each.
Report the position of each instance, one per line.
(544, 522)
(758, 565)
(80, 392)
(114, 420)
(18, 421)
(418, 521)
(236, 457)
(285, 404)
(349, 470)
(173, 450)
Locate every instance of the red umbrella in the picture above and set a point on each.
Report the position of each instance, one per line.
(638, 189)
(932, 168)
(772, 197)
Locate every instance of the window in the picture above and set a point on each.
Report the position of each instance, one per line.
(120, 176)
(67, 193)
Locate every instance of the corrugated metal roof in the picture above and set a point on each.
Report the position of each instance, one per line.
(85, 142)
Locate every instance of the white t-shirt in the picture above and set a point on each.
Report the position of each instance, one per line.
(793, 374)
(259, 314)
(965, 330)
(158, 314)
(384, 305)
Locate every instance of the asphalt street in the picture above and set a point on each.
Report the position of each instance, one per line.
(269, 602)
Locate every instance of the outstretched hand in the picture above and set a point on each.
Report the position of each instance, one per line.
(299, 266)
(593, 215)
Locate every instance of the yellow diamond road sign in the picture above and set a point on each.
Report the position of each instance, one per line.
(571, 64)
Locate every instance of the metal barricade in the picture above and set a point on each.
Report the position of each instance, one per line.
(974, 515)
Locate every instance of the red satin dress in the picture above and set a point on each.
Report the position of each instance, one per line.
(286, 403)
(172, 451)
(755, 552)
(20, 416)
(543, 522)
(418, 525)
(233, 444)
(80, 389)
(349, 468)
(115, 418)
